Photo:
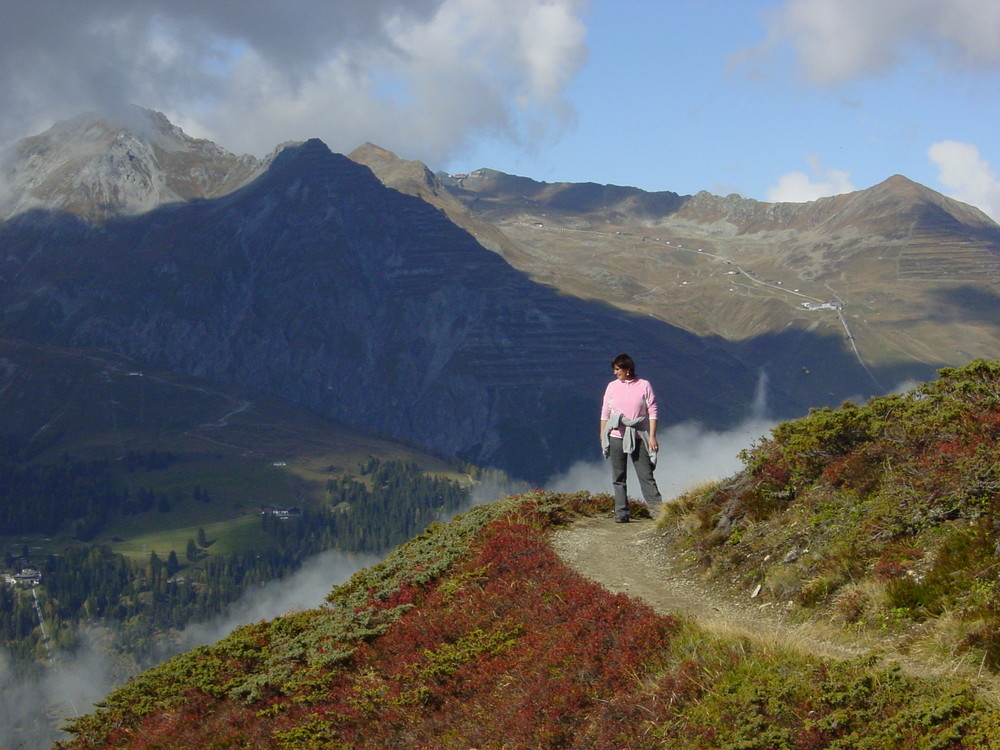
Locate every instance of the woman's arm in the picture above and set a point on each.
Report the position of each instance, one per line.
(653, 412)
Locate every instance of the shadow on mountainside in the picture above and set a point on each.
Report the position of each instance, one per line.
(314, 272)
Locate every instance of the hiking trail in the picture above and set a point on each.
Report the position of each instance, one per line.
(635, 559)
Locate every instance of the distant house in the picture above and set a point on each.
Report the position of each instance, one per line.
(27, 577)
(825, 306)
(279, 511)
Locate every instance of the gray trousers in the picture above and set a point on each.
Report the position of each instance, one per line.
(643, 470)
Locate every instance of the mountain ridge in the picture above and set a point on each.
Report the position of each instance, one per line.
(312, 279)
(97, 168)
(898, 258)
(313, 266)
(74, 145)
(893, 196)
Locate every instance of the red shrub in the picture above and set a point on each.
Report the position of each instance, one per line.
(510, 649)
(566, 647)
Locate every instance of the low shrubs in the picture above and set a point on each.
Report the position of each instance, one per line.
(902, 492)
(476, 635)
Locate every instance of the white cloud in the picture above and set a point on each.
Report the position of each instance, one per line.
(967, 175)
(799, 187)
(422, 77)
(689, 454)
(305, 589)
(840, 40)
(75, 681)
(549, 37)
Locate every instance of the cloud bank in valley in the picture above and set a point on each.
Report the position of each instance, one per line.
(305, 589)
(689, 455)
(422, 77)
(77, 680)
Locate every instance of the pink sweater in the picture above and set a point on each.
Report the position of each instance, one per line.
(630, 398)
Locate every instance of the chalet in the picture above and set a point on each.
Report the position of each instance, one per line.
(27, 577)
(281, 512)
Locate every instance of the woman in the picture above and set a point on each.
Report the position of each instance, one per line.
(628, 429)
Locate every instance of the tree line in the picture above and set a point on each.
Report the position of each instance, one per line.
(141, 602)
(396, 502)
(40, 498)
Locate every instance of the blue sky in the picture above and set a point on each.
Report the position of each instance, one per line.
(683, 96)
(772, 99)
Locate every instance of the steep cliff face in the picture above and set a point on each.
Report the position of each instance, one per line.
(318, 284)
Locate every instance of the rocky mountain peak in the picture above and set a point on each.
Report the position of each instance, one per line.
(97, 167)
(896, 205)
(903, 196)
(305, 267)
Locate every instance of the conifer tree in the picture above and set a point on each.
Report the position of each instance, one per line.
(173, 564)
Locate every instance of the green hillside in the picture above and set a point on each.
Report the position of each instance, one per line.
(882, 517)
(475, 634)
(140, 497)
(140, 457)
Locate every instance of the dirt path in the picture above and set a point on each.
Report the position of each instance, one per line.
(633, 559)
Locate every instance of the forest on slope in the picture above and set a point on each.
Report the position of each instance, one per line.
(90, 599)
(143, 599)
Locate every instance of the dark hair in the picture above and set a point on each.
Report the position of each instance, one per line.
(624, 362)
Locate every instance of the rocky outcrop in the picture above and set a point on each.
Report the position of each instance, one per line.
(98, 168)
(496, 193)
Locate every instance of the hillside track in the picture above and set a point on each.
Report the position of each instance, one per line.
(634, 559)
